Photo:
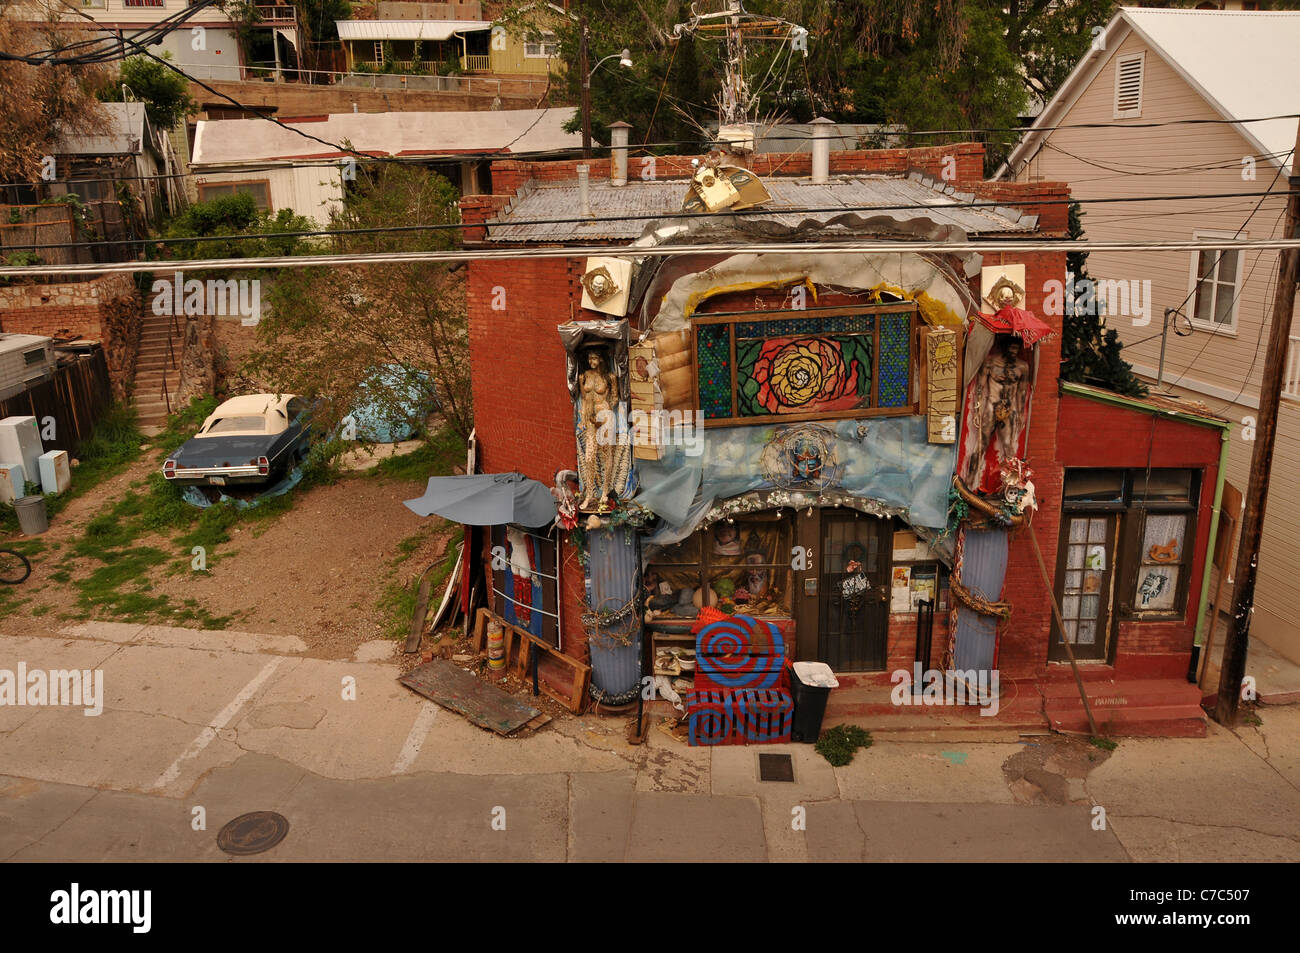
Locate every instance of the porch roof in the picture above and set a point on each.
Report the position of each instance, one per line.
(407, 29)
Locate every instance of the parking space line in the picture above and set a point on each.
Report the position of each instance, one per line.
(415, 740)
(223, 718)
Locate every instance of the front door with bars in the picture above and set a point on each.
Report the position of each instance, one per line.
(854, 610)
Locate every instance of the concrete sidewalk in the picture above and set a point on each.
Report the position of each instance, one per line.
(200, 727)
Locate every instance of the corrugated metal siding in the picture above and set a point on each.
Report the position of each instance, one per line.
(983, 569)
(664, 198)
(615, 573)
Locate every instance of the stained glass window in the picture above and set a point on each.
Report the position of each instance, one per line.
(811, 365)
(895, 359)
(713, 364)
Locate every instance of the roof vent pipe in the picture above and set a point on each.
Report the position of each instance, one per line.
(584, 191)
(821, 150)
(618, 135)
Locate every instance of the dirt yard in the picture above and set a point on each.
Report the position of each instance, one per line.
(326, 569)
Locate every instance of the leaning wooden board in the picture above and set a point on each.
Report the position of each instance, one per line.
(481, 702)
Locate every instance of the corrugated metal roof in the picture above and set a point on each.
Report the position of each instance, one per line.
(406, 29)
(122, 134)
(789, 196)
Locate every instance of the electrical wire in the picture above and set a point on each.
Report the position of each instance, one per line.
(1172, 170)
(646, 217)
(839, 247)
(1241, 287)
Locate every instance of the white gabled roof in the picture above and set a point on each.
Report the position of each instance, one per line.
(407, 29)
(228, 142)
(1245, 64)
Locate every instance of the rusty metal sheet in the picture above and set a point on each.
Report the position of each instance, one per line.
(481, 702)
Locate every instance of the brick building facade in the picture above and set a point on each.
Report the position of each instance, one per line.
(525, 411)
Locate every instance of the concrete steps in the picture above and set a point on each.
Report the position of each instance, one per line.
(1165, 708)
(863, 701)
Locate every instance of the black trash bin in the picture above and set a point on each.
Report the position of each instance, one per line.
(809, 703)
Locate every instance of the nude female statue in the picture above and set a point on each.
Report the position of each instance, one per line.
(599, 398)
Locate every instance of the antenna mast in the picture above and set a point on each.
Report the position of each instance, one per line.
(735, 24)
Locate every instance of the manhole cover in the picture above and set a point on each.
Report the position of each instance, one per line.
(253, 833)
(775, 767)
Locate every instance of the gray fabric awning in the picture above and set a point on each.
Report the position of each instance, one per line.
(487, 499)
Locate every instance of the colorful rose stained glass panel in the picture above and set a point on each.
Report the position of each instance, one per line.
(794, 375)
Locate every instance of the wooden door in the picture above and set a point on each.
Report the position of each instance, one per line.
(853, 628)
(1083, 584)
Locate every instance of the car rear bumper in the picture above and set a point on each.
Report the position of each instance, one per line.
(224, 476)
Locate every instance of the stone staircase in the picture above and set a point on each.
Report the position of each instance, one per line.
(155, 367)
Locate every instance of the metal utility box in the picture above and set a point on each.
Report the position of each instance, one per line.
(12, 482)
(24, 360)
(20, 442)
(56, 474)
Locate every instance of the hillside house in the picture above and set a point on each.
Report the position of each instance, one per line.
(1180, 94)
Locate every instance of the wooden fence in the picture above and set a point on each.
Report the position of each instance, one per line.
(76, 396)
(41, 225)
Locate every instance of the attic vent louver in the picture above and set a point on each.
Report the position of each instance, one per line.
(1128, 85)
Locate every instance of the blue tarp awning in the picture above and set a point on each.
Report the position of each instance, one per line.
(487, 499)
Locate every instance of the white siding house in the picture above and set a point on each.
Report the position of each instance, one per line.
(1146, 76)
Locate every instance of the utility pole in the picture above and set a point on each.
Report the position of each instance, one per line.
(1233, 669)
(735, 95)
(585, 70)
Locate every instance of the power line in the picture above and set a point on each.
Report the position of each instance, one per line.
(649, 216)
(1160, 170)
(843, 247)
(1241, 287)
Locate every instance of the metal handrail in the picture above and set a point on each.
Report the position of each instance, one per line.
(493, 83)
(171, 363)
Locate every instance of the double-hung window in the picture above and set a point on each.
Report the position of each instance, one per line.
(1215, 284)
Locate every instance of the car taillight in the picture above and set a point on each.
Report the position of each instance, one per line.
(263, 466)
(169, 469)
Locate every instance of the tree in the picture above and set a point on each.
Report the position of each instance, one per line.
(164, 92)
(1091, 352)
(391, 330)
(41, 103)
(236, 216)
(925, 64)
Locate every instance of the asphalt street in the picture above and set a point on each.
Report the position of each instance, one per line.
(197, 728)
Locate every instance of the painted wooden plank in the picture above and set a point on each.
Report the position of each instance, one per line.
(481, 702)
